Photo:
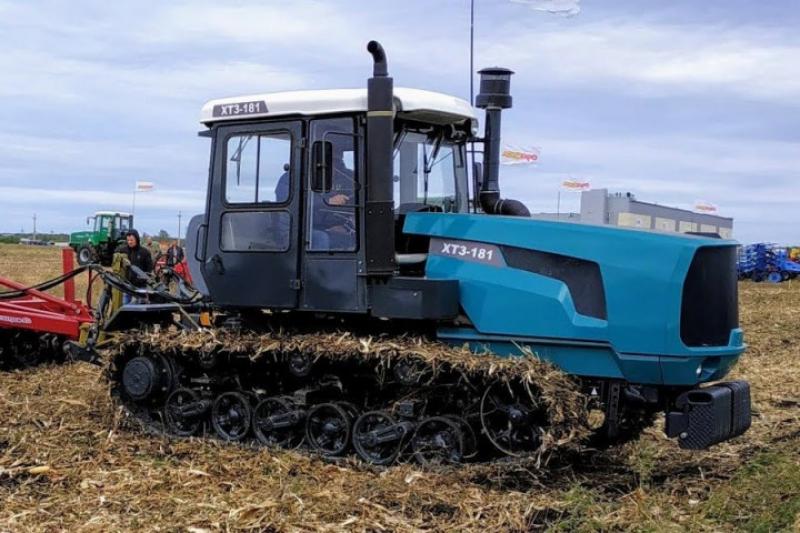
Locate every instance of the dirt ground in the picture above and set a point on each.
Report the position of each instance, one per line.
(68, 461)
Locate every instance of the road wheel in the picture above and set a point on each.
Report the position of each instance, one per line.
(86, 254)
(774, 277)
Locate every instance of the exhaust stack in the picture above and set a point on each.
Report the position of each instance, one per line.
(379, 215)
(494, 96)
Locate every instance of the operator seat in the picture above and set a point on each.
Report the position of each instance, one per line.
(412, 250)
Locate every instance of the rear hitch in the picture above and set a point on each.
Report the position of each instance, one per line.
(710, 415)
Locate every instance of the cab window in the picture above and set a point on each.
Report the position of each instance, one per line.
(426, 168)
(102, 222)
(257, 168)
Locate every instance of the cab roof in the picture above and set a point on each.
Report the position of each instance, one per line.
(112, 213)
(426, 106)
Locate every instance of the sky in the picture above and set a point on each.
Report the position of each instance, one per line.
(674, 101)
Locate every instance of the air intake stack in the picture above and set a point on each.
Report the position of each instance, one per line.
(494, 96)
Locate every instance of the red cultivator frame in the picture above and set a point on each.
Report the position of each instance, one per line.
(34, 324)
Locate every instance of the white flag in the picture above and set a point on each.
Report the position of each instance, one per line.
(144, 186)
(567, 8)
(515, 155)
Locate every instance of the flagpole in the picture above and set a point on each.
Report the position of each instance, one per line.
(558, 205)
(472, 92)
(133, 207)
(471, 51)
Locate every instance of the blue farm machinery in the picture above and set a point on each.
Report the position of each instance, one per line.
(766, 262)
(366, 290)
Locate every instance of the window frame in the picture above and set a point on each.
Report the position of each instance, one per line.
(359, 171)
(460, 201)
(222, 216)
(256, 205)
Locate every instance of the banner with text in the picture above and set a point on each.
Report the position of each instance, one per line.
(515, 155)
(702, 206)
(144, 186)
(575, 185)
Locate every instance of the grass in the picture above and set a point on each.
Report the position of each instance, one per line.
(764, 495)
(68, 461)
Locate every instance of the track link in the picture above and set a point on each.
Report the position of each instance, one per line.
(385, 399)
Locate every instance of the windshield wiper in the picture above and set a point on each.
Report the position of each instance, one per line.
(237, 156)
(429, 163)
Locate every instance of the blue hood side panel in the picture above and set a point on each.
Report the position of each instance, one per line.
(642, 272)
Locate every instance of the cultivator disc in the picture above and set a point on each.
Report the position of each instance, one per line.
(25, 349)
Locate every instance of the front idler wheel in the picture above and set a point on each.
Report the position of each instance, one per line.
(508, 419)
(329, 428)
(230, 416)
(438, 440)
(184, 412)
(378, 438)
(146, 378)
(278, 422)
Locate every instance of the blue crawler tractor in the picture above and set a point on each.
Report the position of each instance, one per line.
(356, 213)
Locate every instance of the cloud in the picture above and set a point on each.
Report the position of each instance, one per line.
(99, 95)
(657, 59)
(284, 24)
(71, 81)
(568, 8)
(57, 153)
(160, 199)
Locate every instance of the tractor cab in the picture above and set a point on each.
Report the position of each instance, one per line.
(310, 194)
(112, 225)
(299, 217)
(97, 244)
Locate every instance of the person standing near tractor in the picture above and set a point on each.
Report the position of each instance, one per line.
(174, 254)
(153, 247)
(137, 256)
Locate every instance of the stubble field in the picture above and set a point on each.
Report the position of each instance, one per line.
(69, 461)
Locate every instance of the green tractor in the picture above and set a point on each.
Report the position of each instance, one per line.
(98, 244)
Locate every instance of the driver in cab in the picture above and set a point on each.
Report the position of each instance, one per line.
(333, 212)
(334, 217)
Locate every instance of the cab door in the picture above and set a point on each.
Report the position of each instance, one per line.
(252, 226)
(333, 261)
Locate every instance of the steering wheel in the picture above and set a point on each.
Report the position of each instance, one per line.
(347, 220)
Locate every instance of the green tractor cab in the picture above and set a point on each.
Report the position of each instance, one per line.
(97, 245)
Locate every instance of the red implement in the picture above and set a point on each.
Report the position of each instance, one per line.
(41, 312)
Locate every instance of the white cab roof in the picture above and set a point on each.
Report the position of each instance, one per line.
(428, 106)
(112, 213)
